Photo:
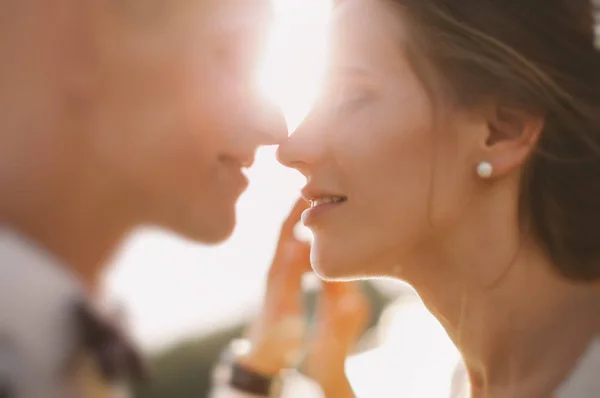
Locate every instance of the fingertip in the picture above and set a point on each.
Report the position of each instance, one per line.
(297, 210)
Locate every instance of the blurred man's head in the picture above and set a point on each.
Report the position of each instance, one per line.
(155, 101)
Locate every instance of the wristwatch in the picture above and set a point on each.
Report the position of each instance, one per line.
(289, 383)
(245, 379)
(231, 374)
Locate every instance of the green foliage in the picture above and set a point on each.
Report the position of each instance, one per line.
(185, 370)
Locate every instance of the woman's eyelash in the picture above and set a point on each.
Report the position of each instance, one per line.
(353, 104)
(350, 98)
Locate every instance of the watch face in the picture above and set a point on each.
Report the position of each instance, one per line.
(296, 385)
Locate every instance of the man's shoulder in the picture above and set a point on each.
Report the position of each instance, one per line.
(38, 328)
(25, 266)
(36, 299)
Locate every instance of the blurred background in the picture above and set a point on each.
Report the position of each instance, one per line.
(184, 302)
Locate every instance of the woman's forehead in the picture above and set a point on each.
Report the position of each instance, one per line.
(366, 34)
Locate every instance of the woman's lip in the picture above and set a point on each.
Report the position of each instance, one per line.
(312, 192)
(315, 214)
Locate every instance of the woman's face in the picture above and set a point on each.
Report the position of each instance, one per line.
(397, 181)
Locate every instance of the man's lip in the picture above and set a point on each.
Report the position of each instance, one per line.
(236, 166)
(243, 160)
(240, 177)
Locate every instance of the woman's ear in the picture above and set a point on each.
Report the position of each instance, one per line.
(512, 136)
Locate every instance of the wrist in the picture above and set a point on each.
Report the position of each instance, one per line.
(276, 347)
(336, 386)
(339, 389)
(262, 364)
(330, 375)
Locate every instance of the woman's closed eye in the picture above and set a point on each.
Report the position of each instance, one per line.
(348, 99)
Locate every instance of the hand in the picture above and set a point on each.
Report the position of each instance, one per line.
(342, 315)
(277, 334)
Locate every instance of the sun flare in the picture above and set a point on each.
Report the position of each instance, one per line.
(296, 57)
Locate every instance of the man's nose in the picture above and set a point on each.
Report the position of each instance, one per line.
(271, 125)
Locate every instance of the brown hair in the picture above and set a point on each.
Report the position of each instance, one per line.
(537, 56)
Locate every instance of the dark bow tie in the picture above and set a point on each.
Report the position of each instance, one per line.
(116, 357)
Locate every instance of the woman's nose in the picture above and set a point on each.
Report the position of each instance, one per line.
(300, 150)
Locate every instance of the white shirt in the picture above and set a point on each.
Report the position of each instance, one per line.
(36, 334)
(37, 330)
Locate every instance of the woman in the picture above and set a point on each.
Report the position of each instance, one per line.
(457, 147)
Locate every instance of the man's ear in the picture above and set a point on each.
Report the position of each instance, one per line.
(512, 135)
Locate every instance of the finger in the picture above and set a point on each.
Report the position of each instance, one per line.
(287, 230)
(342, 316)
(343, 307)
(290, 262)
(292, 256)
(284, 285)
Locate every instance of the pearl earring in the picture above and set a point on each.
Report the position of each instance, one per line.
(485, 170)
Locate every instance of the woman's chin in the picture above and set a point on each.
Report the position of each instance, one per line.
(333, 271)
(334, 259)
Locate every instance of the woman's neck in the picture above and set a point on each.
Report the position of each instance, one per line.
(526, 332)
(518, 324)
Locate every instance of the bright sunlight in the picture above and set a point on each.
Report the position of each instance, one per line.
(297, 55)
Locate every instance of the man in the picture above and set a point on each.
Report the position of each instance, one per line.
(114, 114)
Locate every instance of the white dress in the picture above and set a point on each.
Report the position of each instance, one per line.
(584, 381)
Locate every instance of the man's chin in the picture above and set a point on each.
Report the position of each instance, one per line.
(213, 238)
(210, 230)
(217, 233)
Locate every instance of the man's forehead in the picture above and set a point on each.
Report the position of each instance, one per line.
(237, 15)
